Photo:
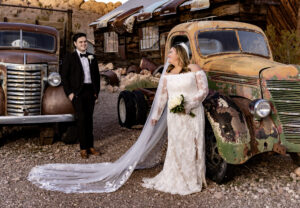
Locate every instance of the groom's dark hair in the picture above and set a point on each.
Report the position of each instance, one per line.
(78, 35)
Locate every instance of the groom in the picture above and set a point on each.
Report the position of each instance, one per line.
(81, 83)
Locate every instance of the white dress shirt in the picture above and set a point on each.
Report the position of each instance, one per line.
(86, 68)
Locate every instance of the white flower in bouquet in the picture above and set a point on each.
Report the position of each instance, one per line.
(175, 101)
(176, 105)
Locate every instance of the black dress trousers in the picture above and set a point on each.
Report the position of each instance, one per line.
(84, 104)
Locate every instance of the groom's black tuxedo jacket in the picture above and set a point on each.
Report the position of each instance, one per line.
(72, 74)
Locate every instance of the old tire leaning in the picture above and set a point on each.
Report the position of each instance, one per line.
(217, 169)
(295, 157)
(141, 107)
(126, 109)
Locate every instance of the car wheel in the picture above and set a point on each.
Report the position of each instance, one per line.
(216, 168)
(141, 107)
(295, 157)
(126, 109)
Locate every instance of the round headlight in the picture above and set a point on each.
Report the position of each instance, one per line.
(54, 79)
(260, 108)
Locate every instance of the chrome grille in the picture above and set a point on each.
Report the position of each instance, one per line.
(286, 98)
(24, 87)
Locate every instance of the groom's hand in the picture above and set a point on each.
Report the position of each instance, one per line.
(71, 96)
(96, 98)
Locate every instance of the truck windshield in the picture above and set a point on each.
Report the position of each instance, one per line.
(32, 40)
(225, 41)
(252, 42)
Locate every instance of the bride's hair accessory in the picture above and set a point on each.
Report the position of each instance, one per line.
(182, 44)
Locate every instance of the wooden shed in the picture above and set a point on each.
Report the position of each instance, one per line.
(139, 28)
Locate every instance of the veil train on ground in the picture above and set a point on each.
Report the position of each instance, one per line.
(106, 177)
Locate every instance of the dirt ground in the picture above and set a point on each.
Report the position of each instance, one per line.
(264, 181)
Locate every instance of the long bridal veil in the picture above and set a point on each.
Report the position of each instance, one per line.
(105, 177)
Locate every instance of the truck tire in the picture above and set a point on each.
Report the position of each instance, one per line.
(295, 157)
(216, 168)
(141, 107)
(126, 109)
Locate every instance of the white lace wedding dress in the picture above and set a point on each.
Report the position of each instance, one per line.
(184, 167)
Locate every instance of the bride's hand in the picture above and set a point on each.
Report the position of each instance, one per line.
(187, 108)
(153, 122)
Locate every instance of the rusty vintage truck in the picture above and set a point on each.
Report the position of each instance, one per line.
(29, 78)
(254, 102)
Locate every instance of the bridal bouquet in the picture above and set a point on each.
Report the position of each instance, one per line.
(176, 105)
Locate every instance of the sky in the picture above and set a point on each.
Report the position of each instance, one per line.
(114, 1)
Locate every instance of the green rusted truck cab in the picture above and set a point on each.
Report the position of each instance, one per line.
(254, 104)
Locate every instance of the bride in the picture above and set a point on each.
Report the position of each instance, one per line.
(184, 168)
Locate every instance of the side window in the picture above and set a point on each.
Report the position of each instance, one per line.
(149, 38)
(110, 42)
(182, 39)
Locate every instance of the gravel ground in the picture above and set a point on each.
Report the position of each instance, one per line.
(266, 180)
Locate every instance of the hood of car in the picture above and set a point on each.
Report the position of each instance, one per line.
(244, 65)
(31, 57)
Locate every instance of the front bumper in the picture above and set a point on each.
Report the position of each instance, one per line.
(36, 119)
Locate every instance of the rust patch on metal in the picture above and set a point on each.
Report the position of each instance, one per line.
(118, 24)
(243, 104)
(17, 57)
(111, 77)
(259, 130)
(279, 148)
(280, 72)
(29, 27)
(225, 113)
(266, 129)
(147, 64)
(247, 152)
(55, 101)
(171, 7)
(144, 16)
(134, 69)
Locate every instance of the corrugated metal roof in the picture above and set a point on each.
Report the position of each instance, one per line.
(125, 7)
(149, 6)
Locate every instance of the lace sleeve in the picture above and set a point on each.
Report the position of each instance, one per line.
(161, 101)
(202, 86)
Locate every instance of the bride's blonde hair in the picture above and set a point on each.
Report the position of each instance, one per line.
(182, 59)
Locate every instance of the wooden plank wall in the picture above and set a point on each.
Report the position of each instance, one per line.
(283, 17)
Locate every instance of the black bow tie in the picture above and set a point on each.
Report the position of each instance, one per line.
(83, 55)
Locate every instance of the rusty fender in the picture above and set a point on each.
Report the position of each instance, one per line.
(55, 101)
(230, 128)
(264, 133)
